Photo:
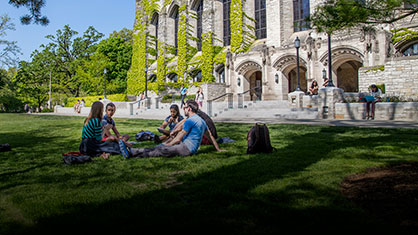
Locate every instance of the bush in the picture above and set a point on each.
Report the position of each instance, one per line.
(168, 98)
(90, 99)
(46, 110)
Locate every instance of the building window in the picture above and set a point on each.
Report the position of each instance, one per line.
(227, 22)
(175, 16)
(260, 19)
(154, 22)
(199, 25)
(411, 50)
(221, 74)
(197, 76)
(172, 77)
(300, 14)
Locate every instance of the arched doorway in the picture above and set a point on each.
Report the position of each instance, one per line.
(256, 86)
(347, 76)
(293, 79)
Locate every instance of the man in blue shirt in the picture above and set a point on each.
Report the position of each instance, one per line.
(186, 142)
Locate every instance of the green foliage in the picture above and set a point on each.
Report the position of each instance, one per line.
(335, 15)
(34, 7)
(90, 99)
(168, 98)
(207, 58)
(236, 25)
(182, 45)
(9, 101)
(403, 35)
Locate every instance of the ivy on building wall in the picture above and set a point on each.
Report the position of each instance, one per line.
(182, 45)
(403, 34)
(242, 37)
(207, 58)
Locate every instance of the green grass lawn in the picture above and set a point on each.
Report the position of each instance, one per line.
(294, 189)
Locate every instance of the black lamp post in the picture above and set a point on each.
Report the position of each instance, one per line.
(330, 84)
(105, 83)
(146, 79)
(297, 46)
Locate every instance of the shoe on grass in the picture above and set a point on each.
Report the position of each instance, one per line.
(124, 150)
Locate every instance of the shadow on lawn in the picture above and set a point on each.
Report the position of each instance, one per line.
(221, 201)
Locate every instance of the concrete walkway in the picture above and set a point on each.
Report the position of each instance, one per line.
(324, 122)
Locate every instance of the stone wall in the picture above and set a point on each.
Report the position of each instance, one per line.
(400, 76)
(407, 111)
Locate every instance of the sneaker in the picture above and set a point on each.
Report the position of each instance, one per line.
(124, 150)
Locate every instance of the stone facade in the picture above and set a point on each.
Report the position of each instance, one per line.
(271, 62)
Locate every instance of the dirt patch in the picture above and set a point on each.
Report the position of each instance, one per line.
(388, 193)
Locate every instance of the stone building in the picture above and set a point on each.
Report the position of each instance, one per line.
(358, 57)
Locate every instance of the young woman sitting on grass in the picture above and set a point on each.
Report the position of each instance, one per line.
(171, 121)
(92, 135)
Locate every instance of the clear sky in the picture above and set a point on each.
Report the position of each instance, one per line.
(104, 15)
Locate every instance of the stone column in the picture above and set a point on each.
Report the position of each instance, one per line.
(328, 96)
(296, 99)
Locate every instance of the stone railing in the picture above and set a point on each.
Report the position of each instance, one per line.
(407, 111)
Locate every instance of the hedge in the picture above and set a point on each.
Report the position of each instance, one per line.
(90, 99)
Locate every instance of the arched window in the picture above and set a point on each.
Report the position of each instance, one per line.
(260, 19)
(197, 75)
(221, 74)
(227, 22)
(172, 77)
(411, 50)
(300, 14)
(175, 16)
(153, 78)
(154, 21)
(199, 25)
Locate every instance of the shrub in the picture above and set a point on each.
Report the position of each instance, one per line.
(90, 99)
(168, 98)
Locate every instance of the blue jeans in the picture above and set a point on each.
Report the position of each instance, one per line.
(161, 151)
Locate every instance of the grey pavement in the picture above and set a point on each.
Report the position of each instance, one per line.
(324, 122)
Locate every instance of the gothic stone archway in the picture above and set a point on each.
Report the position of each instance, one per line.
(251, 71)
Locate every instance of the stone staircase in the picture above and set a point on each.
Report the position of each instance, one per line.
(266, 109)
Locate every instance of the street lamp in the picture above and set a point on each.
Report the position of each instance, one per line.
(105, 83)
(297, 46)
(146, 79)
(330, 84)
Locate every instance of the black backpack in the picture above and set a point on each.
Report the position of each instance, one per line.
(72, 158)
(258, 139)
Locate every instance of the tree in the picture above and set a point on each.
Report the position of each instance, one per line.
(67, 54)
(34, 7)
(8, 49)
(8, 99)
(336, 15)
(125, 34)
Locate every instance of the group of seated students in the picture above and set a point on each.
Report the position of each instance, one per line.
(183, 138)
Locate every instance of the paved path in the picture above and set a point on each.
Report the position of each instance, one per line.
(325, 122)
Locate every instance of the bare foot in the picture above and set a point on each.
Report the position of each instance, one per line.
(105, 155)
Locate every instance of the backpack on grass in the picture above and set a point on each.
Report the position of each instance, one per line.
(75, 158)
(258, 139)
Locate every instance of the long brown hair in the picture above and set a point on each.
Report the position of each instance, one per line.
(96, 111)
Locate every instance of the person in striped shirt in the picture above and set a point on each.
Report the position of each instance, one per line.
(91, 138)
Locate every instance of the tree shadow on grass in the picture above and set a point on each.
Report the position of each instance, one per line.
(223, 200)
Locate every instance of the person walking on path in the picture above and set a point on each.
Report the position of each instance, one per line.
(199, 97)
(183, 94)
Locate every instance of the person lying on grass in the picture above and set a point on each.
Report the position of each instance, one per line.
(109, 124)
(186, 142)
(92, 135)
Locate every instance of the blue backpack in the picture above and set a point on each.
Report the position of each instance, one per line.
(144, 136)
